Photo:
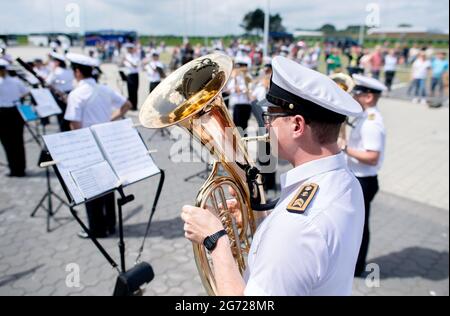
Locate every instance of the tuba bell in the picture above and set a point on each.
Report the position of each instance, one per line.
(191, 98)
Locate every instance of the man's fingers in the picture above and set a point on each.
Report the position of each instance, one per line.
(232, 191)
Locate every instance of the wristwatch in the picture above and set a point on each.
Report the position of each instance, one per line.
(210, 242)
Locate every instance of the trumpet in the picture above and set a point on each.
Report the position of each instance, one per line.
(191, 98)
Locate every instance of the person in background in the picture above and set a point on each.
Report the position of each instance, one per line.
(132, 61)
(155, 71)
(89, 104)
(413, 53)
(390, 68)
(61, 78)
(354, 58)
(12, 90)
(376, 62)
(439, 67)
(334, 63)
(40, 68)
(187, 54)
(419, 78)
(365, 151)
(239, 89)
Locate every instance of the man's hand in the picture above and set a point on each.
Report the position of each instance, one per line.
(199, 223)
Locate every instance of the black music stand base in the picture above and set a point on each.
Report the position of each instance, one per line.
(46, 202)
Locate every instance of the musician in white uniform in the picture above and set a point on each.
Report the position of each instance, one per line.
(365, 150)
(61, 78)
(89, 104)
(155, 71)
(132, 61)
(12, 90)
(240, 94)
(310, 242)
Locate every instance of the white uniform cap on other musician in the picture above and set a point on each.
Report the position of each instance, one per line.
(129, 45)
(3, 64)
(57, 56)
(243, 60)
(83, 60)
(298, 89)
(367, 84)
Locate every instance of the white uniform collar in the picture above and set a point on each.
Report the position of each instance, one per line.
(313, 168)
(89, 81)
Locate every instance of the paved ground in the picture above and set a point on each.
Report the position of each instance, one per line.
(410, 221)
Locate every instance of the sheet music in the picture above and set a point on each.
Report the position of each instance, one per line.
(73, 151)
(125, 151)
(46, 104)
(95, 180)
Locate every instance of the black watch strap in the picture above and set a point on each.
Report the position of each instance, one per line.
(210, 242)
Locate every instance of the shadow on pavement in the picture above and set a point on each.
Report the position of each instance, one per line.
(16, 276)
(414, 262)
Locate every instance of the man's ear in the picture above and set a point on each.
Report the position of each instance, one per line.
(299, 126)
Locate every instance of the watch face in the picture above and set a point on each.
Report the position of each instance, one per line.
(208, 243)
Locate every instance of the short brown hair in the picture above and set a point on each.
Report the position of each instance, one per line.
(325, 133)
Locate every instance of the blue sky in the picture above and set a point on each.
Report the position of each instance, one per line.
(211, 17)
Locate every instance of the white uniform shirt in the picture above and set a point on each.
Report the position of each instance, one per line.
(42, 72)
(11, 91)
(313, 253)
(241, 97)
(152, 73)
(368, 134)
(91, 103)
(390, 63)
(259, 92)
(132, 63)
(62, 79)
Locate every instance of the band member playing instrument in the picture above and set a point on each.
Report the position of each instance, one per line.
(239, 88)
(89, 104)
(309, 244)
(155, 71)
(365, 150)
(132, 62)
(61, 78)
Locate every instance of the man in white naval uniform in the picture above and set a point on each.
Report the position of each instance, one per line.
(309, 244)
(365, 151)
(62, 79)
(88, 104)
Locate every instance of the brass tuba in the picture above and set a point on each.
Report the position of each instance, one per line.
(191, 98)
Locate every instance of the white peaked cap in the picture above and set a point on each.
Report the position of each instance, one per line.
(310, 85)
(369, 83)
(82, 60)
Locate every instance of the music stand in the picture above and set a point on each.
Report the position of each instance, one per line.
(46, 202)
(121, 201)
(98, 136)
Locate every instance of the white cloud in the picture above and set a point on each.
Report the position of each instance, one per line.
(211, 17)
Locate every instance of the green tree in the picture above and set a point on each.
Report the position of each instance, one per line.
(328, 29)
(254, 21)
